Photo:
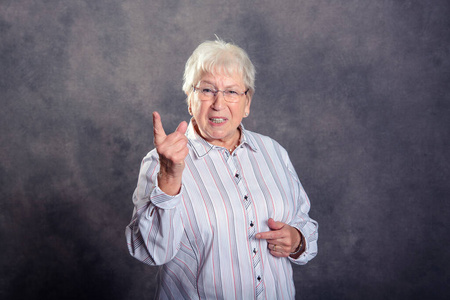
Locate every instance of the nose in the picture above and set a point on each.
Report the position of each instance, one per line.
(220, 92)
(219, 101)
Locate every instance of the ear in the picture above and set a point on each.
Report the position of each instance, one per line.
(189, 100)
(247, 107)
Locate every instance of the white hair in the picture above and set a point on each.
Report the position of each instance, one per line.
(218, 57)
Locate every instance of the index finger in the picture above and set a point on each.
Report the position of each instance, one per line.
(158, 131)
(268, 235)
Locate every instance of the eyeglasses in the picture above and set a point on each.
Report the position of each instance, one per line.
(207, 93)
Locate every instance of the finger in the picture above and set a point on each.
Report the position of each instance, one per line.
(176, 141)
(279, 254)
(159, 134)
(273, 247)
(275, 231)
(276, 250)
(176, 149)
(182, 127)
(280, 245)
(269, 235)
(275, 225)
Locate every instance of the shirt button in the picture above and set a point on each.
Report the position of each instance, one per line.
(246, 197)
(259, 278)
(254, 250)
(251, 224)
(237, 175)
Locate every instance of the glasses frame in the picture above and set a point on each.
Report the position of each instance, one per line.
(216, 91)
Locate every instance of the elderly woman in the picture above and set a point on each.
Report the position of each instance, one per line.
(218, 207)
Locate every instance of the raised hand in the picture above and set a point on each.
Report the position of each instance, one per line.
(172, 150)
(282, 239)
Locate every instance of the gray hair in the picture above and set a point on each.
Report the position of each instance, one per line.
(218, 57)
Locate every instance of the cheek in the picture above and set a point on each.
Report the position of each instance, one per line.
(198, 108)
(194, 104)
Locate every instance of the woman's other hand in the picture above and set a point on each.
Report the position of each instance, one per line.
(282, 239)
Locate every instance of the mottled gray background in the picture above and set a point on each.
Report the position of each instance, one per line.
(357, 91)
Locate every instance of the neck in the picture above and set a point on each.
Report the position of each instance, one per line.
(233, 148)
(236, 143)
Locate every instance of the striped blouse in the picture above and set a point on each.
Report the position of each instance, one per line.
(204, 237)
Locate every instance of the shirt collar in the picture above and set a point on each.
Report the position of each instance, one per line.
(202, 147)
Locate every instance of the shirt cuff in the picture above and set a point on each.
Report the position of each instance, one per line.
(164, 201)
(305, 256)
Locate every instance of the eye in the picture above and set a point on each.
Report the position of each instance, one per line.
(231, 92)
(206, 90)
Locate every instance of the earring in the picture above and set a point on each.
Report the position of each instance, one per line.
(246, 114)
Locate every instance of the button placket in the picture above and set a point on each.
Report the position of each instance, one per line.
(251, 228)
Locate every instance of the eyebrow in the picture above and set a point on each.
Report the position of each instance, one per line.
(227, 87)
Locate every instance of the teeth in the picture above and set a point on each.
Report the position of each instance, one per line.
(217, 120)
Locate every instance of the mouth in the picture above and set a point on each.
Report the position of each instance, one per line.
(217, 120)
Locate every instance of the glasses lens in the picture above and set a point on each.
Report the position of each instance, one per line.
(207, 93)
(231, 96)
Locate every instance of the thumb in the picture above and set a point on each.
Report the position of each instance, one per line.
(182, 127)
(275, 225)
(158, 131)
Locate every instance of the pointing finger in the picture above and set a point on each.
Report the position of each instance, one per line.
(158, 131)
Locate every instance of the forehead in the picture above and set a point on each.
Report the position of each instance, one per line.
(223, 79)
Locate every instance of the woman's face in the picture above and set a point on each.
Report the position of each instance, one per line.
(217, 120)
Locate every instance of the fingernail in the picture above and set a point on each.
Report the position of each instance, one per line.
(257, 236)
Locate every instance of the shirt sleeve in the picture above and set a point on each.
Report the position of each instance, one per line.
(156, 228)
(307, 226)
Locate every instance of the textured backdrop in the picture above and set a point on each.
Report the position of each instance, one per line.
(357, 91)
